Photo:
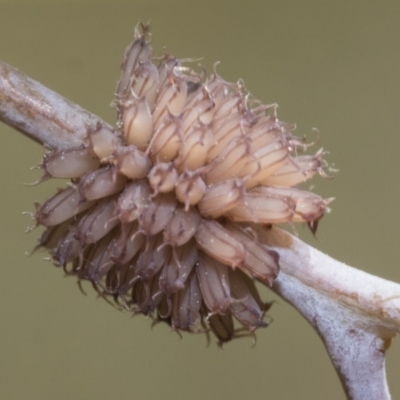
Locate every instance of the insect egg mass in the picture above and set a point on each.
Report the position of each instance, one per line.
(168, 213)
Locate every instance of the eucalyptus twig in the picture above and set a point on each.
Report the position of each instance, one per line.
(40, 113)
(355, 314)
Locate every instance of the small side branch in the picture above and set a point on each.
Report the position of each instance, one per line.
(355, 314)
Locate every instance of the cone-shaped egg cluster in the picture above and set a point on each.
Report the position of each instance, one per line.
(168, 214)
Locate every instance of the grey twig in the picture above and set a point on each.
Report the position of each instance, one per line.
(40, 113)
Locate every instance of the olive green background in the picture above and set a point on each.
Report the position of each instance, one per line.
(333, 65)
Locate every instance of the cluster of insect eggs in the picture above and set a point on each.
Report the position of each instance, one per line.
(169, 213)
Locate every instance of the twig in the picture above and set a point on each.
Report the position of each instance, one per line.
(356, 314)
(40, 113)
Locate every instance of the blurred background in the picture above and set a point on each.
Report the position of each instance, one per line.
(333, 65)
